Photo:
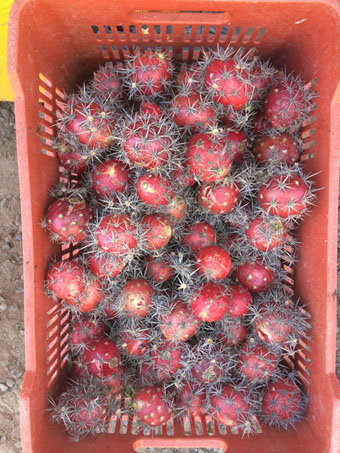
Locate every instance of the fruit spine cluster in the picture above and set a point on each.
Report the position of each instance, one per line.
(190, 188)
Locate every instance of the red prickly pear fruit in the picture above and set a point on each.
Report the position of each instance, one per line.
(232, 239)
(219, 198)
(70, 158)
(109, 178)
(83, 331)
(240, 301)
(179, 324)
(198, 235)
(67, 220)
(154, 190)
(167, 359)
(207, 157)
(256, 363)
(189, 77)
(135, 298)
(146, 373)
(232, 331)
(266, 234)
(261, 80)
(208, 368)
(229, 118)
(148, 108)
(213, 262)
(230, 406)
(276, 325)
(89, 298)
(134, 343)
(176, 209)
(115, 380)
(192, 111)
(101, 357)
(237, 143)
(158, 269)
(281, 148)
(65, 279)
(152, 407)
(183, 177)
(105, 267)
(191, 400)
(260, 124)
(210, 302)
(228, 83)
(79, 370)
(106, 82)
(286, 196)
(116, 234)
(157, 231)
(255, 276)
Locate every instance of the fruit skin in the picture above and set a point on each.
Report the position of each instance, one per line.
(232, 331)
(230, 406)
(110, 177)
(210, 302)
(154, 190)
(158, 269)
(198, 235)
(237, 144)
(219, 198)
(266, 235)
(116, 234)
(182, 177)
(104, 266)
(256, 363)
(228, 83)
(166, 358)
(191, 400)
(88, 299)
(260, 124)
(179, 323)
(83, 331)
(106, 82)
(207, 157)
(176, 209)
(213, 262)
(69, 158)
(151, 406)
(65, 279)
(285, 196)
(274, 327)
(254, 276)
(209, 366)
(135, 298)
(151, 109)
(240, 301)
(101, 357)
(157, 231)
(134, 343)
(281, 148)
(67, 220)
(191, 111)
(189, 77)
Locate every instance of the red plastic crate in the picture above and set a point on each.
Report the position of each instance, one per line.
(54, 45)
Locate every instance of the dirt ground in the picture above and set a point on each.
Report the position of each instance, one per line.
(11, 289)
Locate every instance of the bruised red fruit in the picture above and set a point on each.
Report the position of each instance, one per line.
(152, 407)
(237, 145)
(207, 157)
(210, 302)
(109, 178)
(106, 81)
(213, 262)
(228, 83)
(67, 220)
(134, 343)
(154, 190)
(158, 269)
(232, 331)
(83, 331)
(260, 124)
(116, 234)
(198, 235)
(230, 406)
(167, 359)
(240, 301)
(266, 235)
(191, 400)
(219, 198)
(89, 298)
(70, 159)
(284, 196)
(183, 177)
(157, 231)
(148, 108)
(192, 111)
(101, 357)
(105, 267)
(208, 370)
(275, 326)
(136, 297)
(254, 276)
(176, 209)
(179, 324)
(281, 148)
(65, 279)
(256, 362)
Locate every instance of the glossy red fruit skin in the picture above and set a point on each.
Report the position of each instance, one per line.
(183, 177)
(134, 346)
(151, 408)
(289, 201)
(149, 108)
(69, 219)
(232, 333)
(282, 148)
(273, 328)
(136, 297)
(219, 198)
(179, 324)
(78, 370)
(103, 267)
(167, 359)
(65, 279)
(101, 357)
(280, 110)
(176, 209)
(211, 302)
(106, 81)
(157, 231)
(116, 235)
(189, 110)
(237, 144)
(256, 362)
(198, 235)
(189, 77)
(240, 301)
(154, 190)
(260, 124)
(254, 276)
(89, 126)
(236, 92)
(89, 298)
(265, 235)
(151, 80)
(190, 401)
(158, 269)
(207, 158)
(85, 330)
(213, 262)
(282, 401)
(70, 159)
(261, 82)
(229, 407)
(86, 414)
(109, 178)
